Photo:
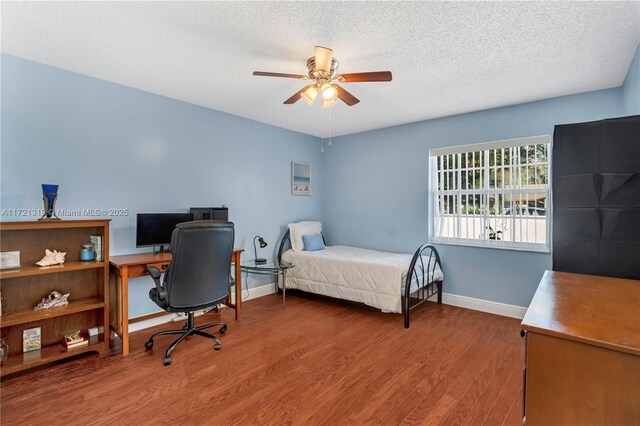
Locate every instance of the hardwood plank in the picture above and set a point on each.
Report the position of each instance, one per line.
(490, 394)
(317, 362)
(435, 385)
(293, 379)
(476, 390)
(398, 387)
(441, 410)
(507, 398)
(335, 361)
(514, 416)
(259, 376)
(461, 375)
(318, 351)
(501, 340)
(353, 389)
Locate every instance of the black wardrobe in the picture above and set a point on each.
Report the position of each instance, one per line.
(596, 197)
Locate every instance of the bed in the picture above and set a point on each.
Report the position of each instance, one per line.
(391, 282)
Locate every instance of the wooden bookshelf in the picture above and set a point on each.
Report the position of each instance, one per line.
(26, 316)
(53, 269)
(48, 354)
(22, 289)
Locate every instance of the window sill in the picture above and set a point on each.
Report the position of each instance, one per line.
(542, 249)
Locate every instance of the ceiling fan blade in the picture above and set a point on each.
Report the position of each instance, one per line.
(324, 55)
(277, 74)
(296, 97)
(346, 97)
(361, 77)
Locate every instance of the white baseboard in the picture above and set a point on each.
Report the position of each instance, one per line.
(255, 292)
(252, 293)
(137, 326)
(482, 305)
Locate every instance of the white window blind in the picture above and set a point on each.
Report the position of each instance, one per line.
(494, 194)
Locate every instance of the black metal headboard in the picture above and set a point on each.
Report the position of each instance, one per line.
(285, 239)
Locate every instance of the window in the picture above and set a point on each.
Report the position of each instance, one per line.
(493, 194)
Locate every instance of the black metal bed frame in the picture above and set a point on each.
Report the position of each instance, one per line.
(425, 289)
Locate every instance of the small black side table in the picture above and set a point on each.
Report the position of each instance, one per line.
(272, 268)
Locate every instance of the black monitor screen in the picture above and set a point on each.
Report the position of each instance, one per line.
(155, 229)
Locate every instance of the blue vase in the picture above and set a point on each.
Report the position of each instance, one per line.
(49, 197)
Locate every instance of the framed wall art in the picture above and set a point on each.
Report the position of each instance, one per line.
(300, 178)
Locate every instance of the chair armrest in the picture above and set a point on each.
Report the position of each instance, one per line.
(155, 274)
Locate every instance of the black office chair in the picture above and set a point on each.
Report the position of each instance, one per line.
(197, 277)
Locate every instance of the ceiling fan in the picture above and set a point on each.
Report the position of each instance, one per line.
(322, 71)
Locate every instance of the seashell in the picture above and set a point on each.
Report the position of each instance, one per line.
(51, 258)
(53, 300)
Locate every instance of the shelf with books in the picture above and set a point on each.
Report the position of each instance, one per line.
(96, 240)
(50, 353)
(9, 319)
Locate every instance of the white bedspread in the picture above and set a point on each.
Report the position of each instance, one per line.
(371, 277)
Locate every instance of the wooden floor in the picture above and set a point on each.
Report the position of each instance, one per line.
(317, 362)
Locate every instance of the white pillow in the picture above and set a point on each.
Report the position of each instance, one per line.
(297, 230)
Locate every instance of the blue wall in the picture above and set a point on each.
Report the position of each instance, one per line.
(378, 189)
(631, 87)
(111, 146)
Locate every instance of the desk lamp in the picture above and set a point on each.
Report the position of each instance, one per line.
(263, 244)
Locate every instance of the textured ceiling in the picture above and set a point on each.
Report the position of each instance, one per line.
(446, 57)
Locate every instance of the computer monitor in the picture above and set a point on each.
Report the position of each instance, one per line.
(155, 229)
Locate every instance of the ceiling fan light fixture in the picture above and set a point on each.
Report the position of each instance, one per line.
(329, 103)
(329, 92)
(324, 78)
(309, 95)
(323, 57)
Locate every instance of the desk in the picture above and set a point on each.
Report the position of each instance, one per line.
(582, 356)
(272, 268)
(135, 265)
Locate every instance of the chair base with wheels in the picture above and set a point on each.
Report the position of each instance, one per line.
(189, 329)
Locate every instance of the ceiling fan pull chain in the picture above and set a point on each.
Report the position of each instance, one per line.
(330, 128)
(322, 130)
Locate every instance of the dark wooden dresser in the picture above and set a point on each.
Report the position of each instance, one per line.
(582, 364)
